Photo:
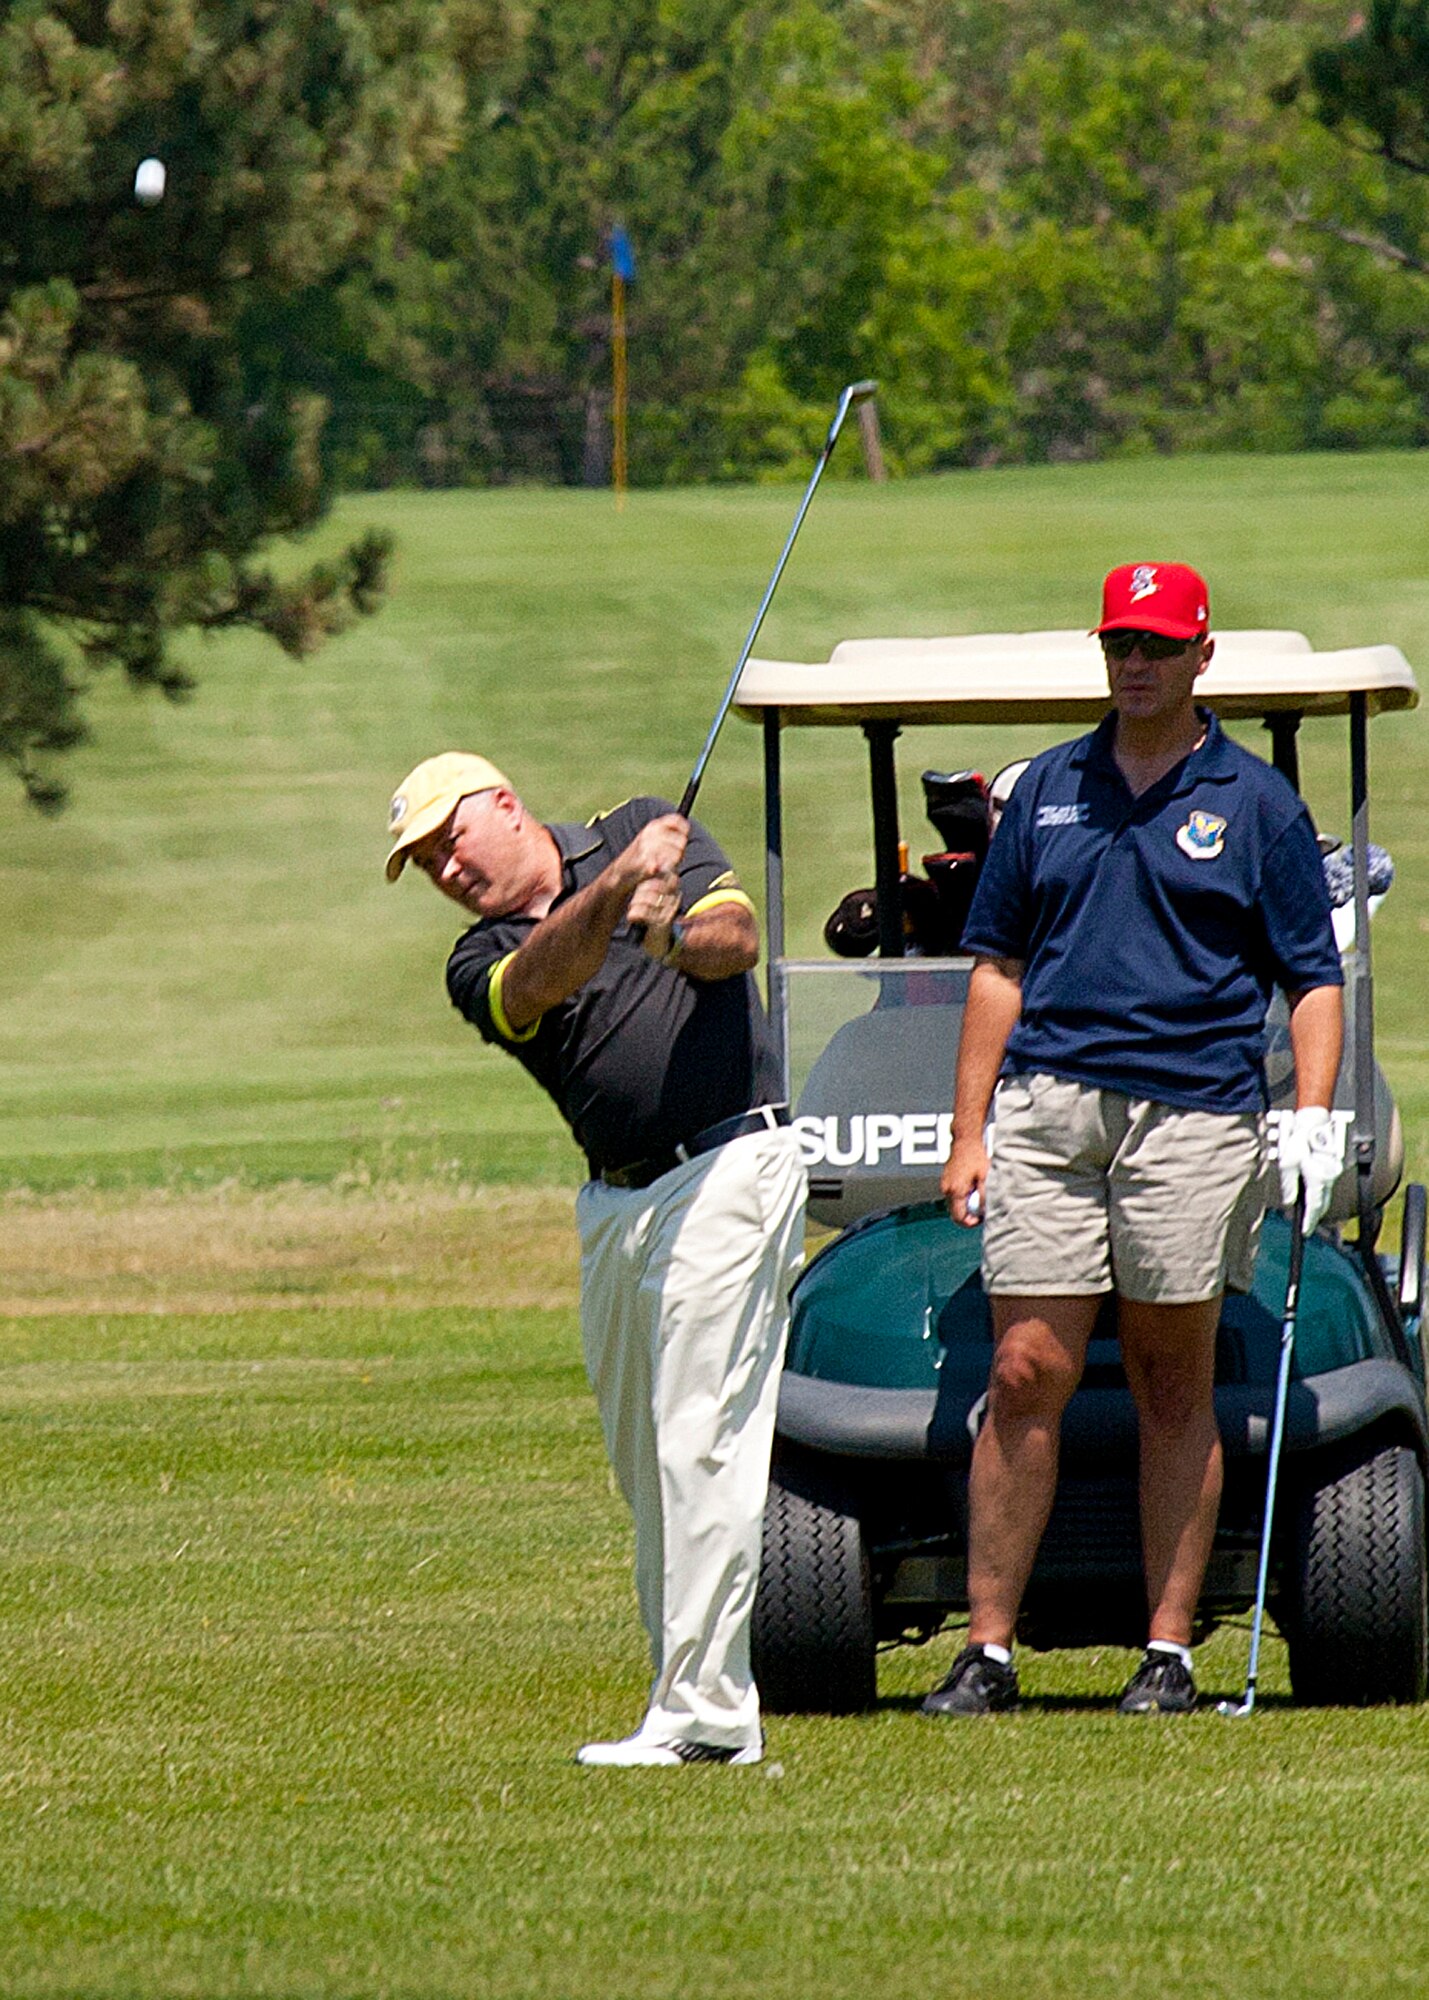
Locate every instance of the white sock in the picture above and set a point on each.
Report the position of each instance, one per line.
(1182, 1653)
(998, 1653)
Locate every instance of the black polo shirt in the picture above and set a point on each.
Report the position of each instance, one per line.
(1153, 929)
(641, 1057)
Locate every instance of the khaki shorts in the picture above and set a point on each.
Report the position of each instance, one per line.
(1091, 1191)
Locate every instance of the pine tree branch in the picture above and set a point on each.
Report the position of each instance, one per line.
(104, 292)
(1381, 149)
(1405, 160)
(1380, 246)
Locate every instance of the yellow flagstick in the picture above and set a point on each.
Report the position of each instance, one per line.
(618, 466)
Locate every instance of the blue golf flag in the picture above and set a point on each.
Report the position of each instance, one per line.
(622, 255)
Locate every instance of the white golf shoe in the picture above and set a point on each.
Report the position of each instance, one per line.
(636, 1751)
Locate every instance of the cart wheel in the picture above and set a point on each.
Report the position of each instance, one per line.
(812, 1640)
(1357, 1620)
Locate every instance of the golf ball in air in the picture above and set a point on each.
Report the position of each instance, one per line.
(149, 179)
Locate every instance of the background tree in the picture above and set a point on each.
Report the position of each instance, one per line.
(147, 452)
(1051, 228)
(1370, 89)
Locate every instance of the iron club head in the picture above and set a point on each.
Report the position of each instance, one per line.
(1245, 1707)
(856, 392)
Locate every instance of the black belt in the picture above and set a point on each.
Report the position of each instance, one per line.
(763, 1118)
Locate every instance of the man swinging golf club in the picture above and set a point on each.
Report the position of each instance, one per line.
(1148, 885)
(613, 961)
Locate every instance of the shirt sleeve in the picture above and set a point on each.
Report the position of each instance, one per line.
(706, 878)
(999, 923)
(475, 972)
(1295, 909)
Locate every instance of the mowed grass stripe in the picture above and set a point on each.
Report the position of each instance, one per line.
(228, 1248)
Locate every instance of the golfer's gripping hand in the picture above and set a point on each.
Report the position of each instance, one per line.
(965, 1181)
(651, 865)
(656, 852)
(655, 906)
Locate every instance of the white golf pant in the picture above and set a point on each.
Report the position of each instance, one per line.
(684, 1309)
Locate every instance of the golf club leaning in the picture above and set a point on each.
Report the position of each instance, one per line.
(1277, 1434)
(856, 392)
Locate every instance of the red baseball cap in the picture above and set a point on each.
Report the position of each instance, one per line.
(1169, 598)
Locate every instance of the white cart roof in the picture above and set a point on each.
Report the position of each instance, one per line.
(1059, 677)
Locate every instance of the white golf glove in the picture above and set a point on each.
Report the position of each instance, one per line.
(1310, 1149)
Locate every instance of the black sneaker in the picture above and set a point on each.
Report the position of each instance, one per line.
(977, 1685)
(1161, 1685)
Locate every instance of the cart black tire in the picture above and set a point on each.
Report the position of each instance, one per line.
(813, 1642)
(1360, 1585)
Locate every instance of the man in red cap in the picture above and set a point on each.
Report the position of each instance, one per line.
(1148, 886)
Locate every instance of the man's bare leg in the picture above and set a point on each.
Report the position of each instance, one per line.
(1040, 1353)
(1169, 1353)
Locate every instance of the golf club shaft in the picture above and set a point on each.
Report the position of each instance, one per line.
(856, 392)
(1277, 1435)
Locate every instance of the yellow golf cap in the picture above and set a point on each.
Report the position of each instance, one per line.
(428, 796)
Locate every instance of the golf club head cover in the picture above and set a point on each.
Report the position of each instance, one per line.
(1310, 1150)
(958, 805)
(852, 930)
(954, 877)
(1340, 874)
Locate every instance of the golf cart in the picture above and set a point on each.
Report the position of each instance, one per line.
(866, 1526)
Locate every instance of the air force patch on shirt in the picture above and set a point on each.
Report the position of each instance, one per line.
(1202, 837)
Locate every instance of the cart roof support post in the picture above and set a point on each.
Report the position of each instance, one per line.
(774, 895)
(887, 886)
(1362, 988)
(1362, 1134)
(1284, 751)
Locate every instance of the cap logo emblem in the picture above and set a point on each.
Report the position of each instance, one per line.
(1202, 837)
(1143, 582)
(398, 813)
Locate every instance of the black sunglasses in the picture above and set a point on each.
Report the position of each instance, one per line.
(1151, 645)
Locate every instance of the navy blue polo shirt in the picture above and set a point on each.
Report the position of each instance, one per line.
(1153, 929)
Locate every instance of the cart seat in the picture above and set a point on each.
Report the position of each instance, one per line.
(874, 1121)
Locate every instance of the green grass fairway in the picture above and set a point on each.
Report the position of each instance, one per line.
(205, 974)
(312, 1575)
(303, 1612)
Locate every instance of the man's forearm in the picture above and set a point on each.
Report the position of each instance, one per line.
(565, 950)
(1316, 1040)
(994, 1003)
(568, 947)
(719, 943)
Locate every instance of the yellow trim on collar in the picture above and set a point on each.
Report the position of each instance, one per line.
(498, 1013)
(715, 898)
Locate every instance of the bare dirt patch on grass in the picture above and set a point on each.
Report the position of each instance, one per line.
(236, 1249)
